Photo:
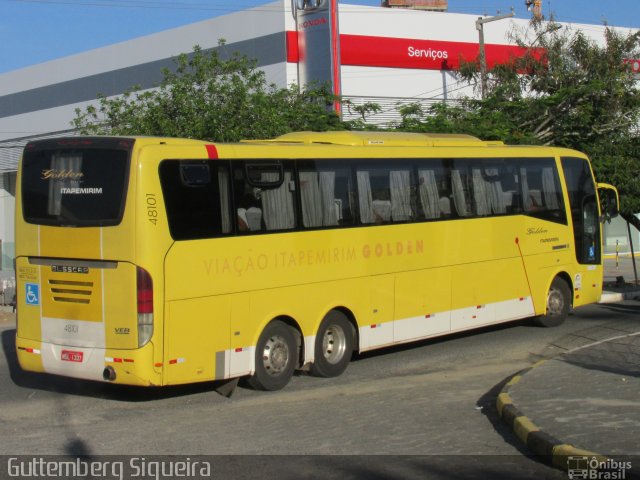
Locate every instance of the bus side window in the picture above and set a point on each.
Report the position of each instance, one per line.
(461, 189)
(433, 191)
(326, 193)
(385, 194)
(267, 207)
(492, 175)
(540, 190)
(481, 188)
(196, 195)
(510, 183)
(247, 203)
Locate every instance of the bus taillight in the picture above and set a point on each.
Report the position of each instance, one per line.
(145, 306)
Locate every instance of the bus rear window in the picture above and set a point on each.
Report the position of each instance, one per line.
(71, 186)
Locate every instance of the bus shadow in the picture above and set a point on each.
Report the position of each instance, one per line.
(87, 388)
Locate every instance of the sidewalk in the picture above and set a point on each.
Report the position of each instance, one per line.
(580, 408)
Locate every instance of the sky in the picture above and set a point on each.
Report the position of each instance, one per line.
(36, 31)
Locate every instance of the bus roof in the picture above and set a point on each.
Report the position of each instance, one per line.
(395, 139)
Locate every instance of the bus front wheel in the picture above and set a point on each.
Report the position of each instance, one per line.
(276, 354)
(558, 304)
(333, 346)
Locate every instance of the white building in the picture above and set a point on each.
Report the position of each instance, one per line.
(380, 54)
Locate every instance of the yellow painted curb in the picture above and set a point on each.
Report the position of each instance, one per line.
(562, 452)
(503, 400)
(515, 379)
(522, 427)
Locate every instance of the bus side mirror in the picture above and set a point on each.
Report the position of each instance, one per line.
(609, 201)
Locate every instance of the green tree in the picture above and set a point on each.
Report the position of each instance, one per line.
(209, 97)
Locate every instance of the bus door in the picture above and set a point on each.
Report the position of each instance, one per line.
(583, 203)
(584, 210)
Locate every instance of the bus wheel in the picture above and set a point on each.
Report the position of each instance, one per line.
(334, 345)
(276, 355)
(558, 304)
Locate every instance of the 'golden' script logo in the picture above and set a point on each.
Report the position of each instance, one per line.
(53, 174)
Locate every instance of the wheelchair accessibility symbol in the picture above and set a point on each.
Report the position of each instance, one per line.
(32, 294)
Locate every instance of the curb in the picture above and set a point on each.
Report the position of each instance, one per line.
(551, 450)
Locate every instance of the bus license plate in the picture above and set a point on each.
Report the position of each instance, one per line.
(70, 356)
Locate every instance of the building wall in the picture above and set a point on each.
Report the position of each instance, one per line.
(620, 237)
(7, 220)
(42, 98)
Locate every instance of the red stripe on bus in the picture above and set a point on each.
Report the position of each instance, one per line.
(212, 151)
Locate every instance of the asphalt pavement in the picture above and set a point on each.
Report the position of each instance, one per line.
(579, 407)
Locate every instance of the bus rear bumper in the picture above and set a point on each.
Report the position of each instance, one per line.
(126, 367)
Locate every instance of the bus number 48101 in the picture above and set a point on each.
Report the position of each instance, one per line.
(152, 208)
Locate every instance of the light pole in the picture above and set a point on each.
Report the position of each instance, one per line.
(483, 56)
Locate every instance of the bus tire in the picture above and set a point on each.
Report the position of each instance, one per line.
(276, 357)
(333, 346)
(558, 304)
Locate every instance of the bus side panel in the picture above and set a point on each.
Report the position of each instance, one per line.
(587, 285)
(196, 335)
(378, 331)
(239, 360)
(422, 304)
(489, 292)
(547, 249)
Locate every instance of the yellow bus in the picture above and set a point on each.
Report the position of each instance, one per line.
(162, 261)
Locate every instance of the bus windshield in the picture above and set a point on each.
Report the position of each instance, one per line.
(66, 185)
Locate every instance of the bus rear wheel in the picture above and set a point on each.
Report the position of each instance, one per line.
(276, 357)
(558, 304)
(334, 345)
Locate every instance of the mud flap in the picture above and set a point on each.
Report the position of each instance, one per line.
(227, 388)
